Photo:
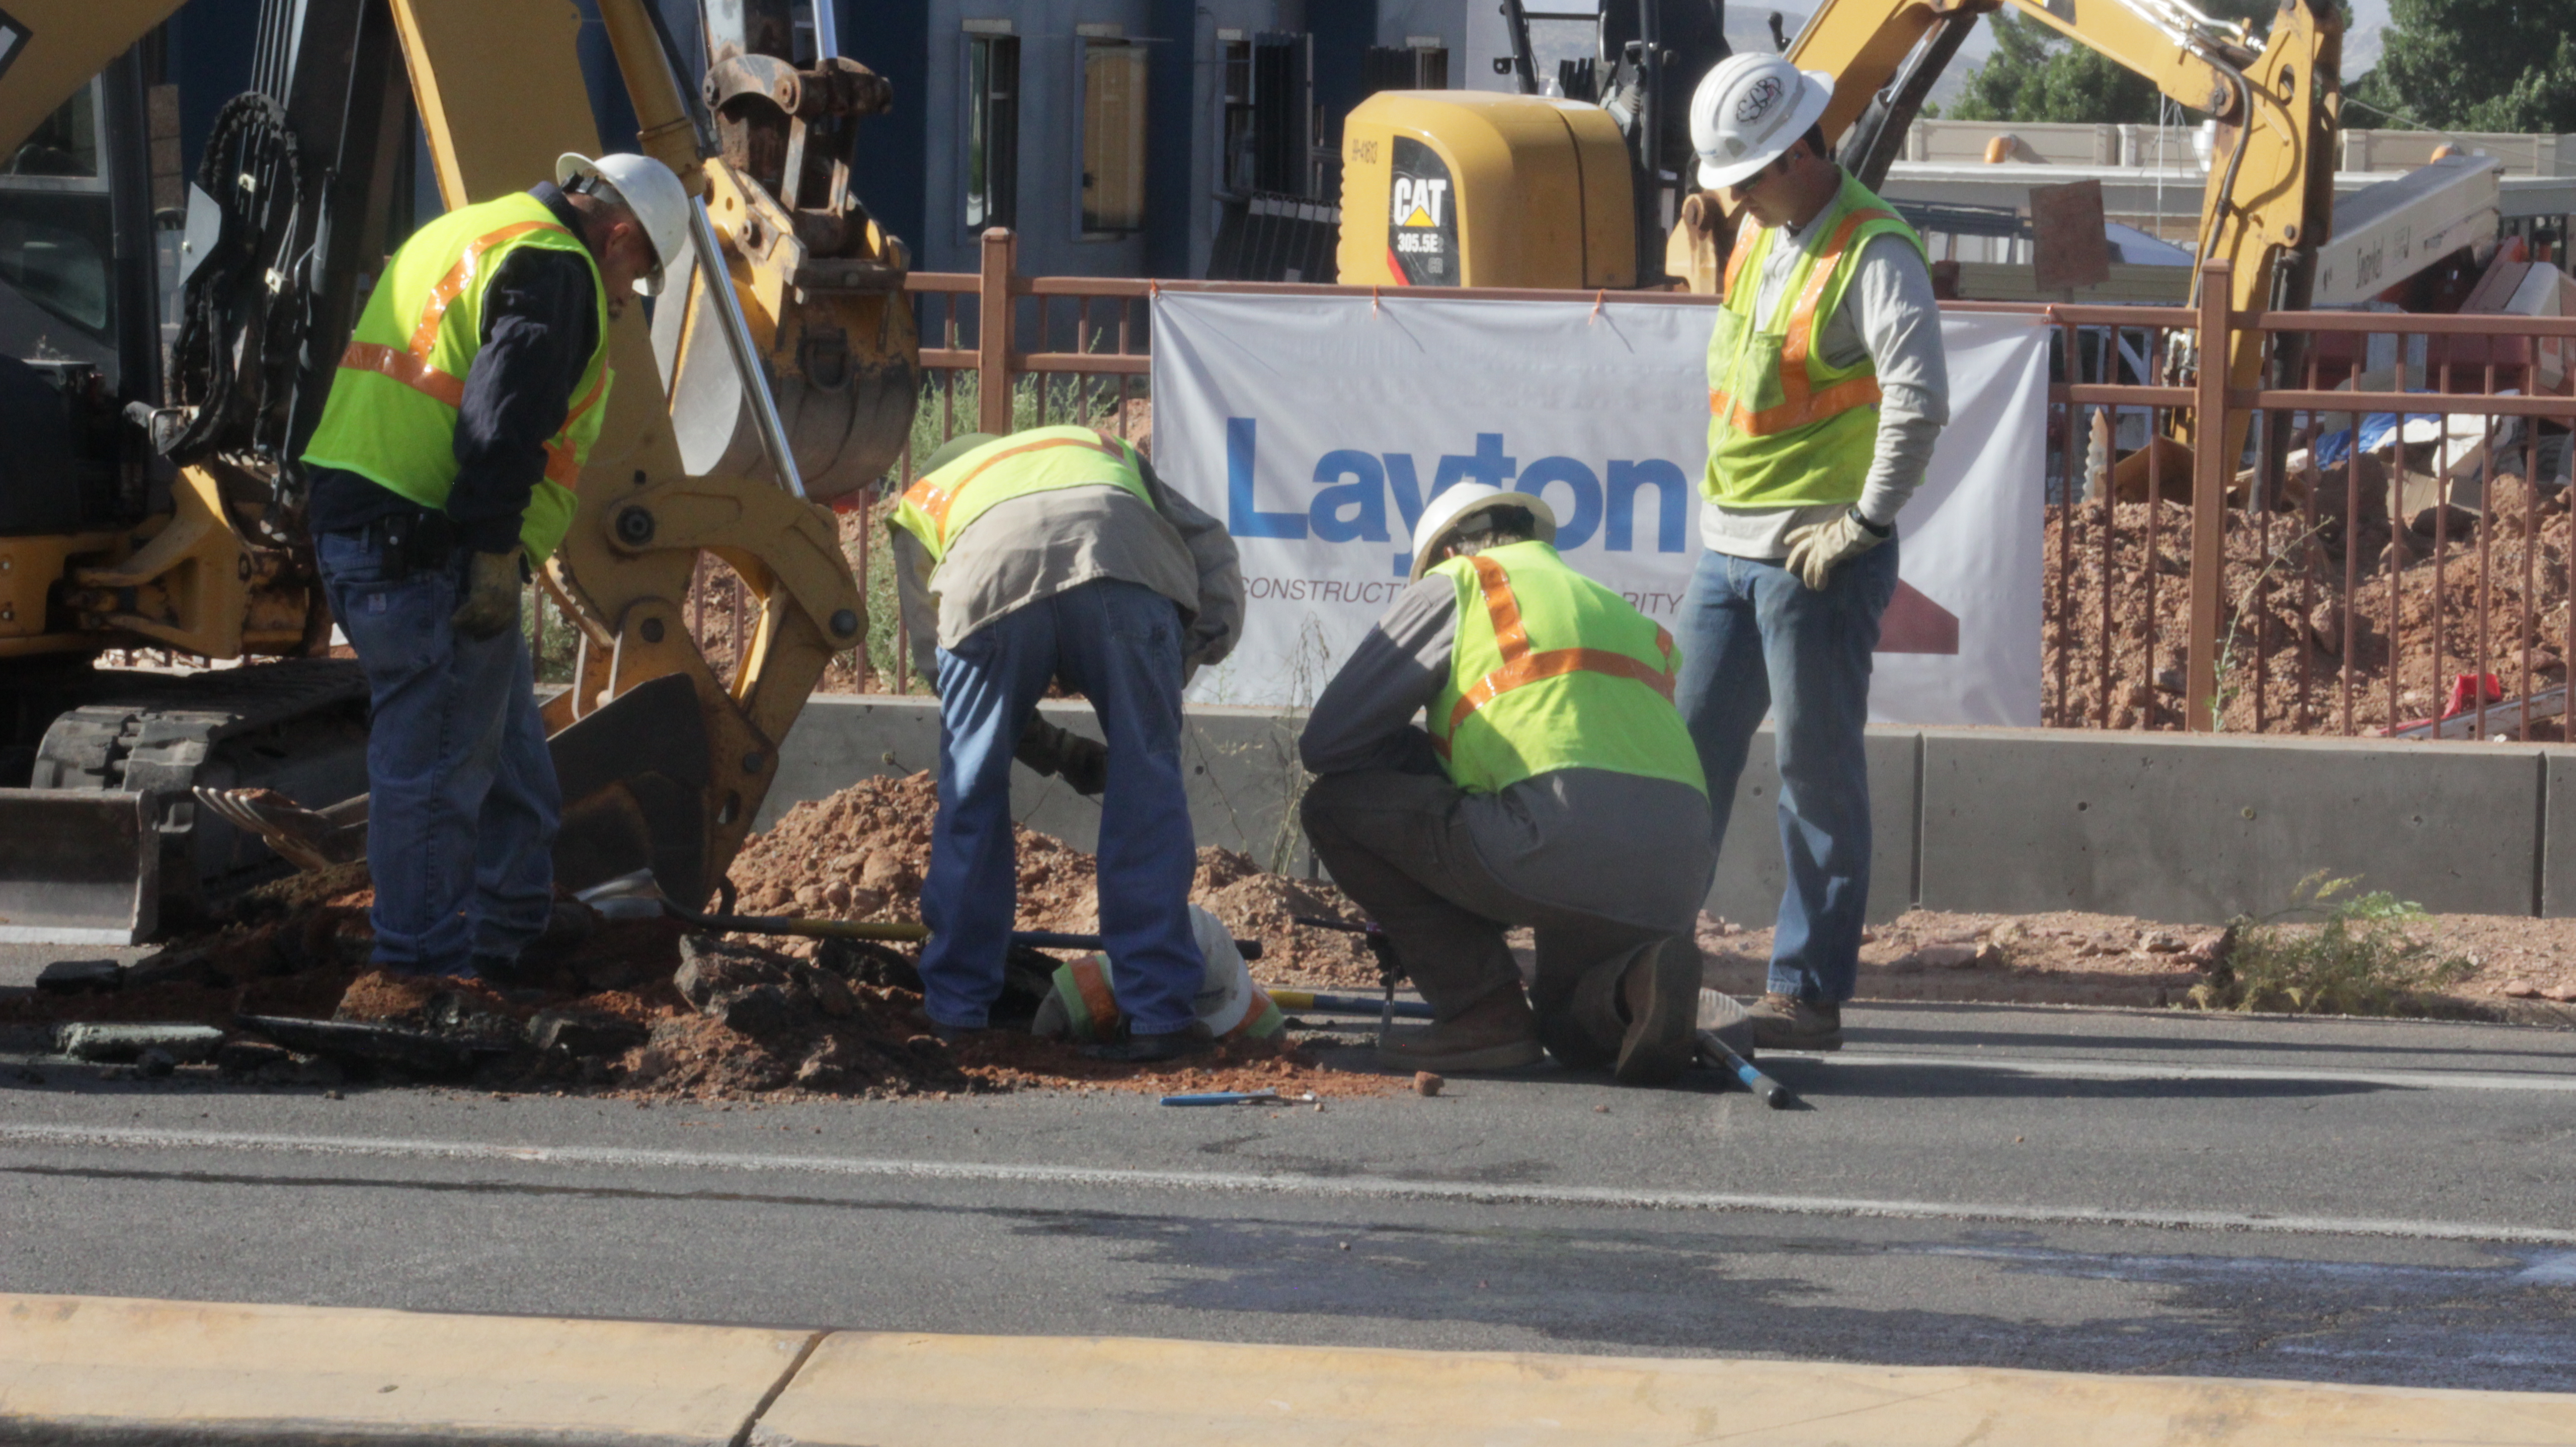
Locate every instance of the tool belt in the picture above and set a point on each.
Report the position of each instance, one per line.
(416, 540)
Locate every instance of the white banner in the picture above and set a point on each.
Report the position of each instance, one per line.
(1318, 427)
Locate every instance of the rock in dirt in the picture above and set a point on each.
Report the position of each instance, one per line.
(761, 1012)
(80, 977)
(126, 1043)
(2158, 942)
(583, 1034)
(1949, 957)
(712, 967)
(2520, 990)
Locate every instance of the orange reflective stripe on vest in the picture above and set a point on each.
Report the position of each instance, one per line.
(562, 465)
(412, 368)
(936, 502)
(413, 372)
(1523, 666)
(1801, 401)
(1099, 1002)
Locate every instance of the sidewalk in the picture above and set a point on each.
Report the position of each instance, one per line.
(110, 1370)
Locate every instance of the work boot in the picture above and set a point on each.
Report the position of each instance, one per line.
(1584, 1032)
(1785, 1022)
(1498, 1032)
(1661, 992)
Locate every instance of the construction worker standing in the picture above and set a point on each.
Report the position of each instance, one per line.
(443, 467)
(1827, 388)
(1056, 553)
(1555, 788)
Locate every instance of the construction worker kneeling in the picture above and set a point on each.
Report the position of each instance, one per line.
(1554, 787)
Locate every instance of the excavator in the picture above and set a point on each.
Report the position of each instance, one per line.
(1521, 189)
(152, 506)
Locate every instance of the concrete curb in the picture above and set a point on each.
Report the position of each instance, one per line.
(118, 1371)
(2172, 827)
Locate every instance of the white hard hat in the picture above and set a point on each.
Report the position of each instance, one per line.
(1750, 109)
(1462, 501)
(659, 201)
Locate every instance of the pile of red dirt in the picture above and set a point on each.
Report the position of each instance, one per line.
(2284, 597)
(861, 855)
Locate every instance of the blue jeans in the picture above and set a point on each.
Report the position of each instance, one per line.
(1755, 638)
(463, 807)
(1119, 645)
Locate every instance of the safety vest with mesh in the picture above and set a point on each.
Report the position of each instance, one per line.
(1552, 671)
(939, 507)
(1787, 429)
(392, 412)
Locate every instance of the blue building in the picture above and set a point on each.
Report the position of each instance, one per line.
(1114, 135)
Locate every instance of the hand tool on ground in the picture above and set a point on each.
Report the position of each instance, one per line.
(1717, 1052)
(1346, 1004)
(1236, 1097)
(1390, 970)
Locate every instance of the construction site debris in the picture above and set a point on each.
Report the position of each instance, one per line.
(128, 1043)
(80, 977)
(2283, 599)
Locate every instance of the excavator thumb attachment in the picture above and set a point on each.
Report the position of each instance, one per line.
(634, 781)
(78, 866)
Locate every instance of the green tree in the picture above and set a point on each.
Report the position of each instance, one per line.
(2474, 65)
(2036, 74)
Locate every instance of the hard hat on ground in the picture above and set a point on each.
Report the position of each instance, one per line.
(954, 448)
(1465, 500)
(1750, 109)
(647, 188)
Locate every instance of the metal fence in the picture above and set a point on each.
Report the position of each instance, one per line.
(2390, 547)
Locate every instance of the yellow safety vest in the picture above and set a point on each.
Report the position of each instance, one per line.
(392, 412)
(1552, 671)
(1784, 428)
(939, 507)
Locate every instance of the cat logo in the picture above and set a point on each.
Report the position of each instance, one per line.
(1420, 201)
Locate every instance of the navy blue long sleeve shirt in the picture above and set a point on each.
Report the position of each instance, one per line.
(540, 325)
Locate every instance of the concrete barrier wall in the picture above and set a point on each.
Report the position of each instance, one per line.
(2182, 829)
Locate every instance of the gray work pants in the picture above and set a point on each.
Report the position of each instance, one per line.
(1398, 845)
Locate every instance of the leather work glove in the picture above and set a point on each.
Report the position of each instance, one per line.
(1818, 548)
(491, 606)
(1060, 753)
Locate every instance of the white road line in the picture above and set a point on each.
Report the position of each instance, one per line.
(1282, 1183)
(2159, 1070)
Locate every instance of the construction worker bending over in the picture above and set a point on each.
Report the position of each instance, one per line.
(1827, 388)
(1555, 788)
(1057, 553)
(442, 469)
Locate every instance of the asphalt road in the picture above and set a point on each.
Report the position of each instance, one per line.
(2082, 1190)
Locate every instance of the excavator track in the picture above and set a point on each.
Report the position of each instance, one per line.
(298, 726)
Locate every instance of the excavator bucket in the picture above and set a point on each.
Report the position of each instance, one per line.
(634, 780)
(78, 867)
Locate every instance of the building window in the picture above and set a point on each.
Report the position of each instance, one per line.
(1113, 137)
(992, 130)
(1265, 115)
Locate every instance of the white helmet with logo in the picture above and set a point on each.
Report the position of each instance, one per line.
(1749, 110)
(1462, 501)
(650, 190)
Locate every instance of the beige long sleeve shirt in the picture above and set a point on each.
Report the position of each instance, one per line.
(1030, 548)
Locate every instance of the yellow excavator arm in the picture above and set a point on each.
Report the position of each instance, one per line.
(2269, 200)
(788, 379)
